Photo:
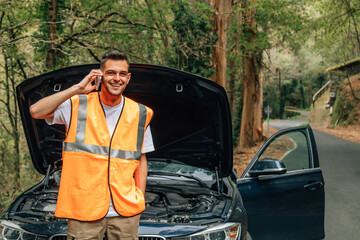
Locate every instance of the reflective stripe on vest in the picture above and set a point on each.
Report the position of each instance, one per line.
(80, 146)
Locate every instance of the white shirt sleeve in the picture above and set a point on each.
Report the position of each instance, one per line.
(61, 114)
(148, 141)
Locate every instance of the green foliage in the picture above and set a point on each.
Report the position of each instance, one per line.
(302, 95)
(173, 33)
(41, 45)
(15, 65)
(320, 81)
(278, 27)
(335, 25)
(291, 95)
(237, 115)
(304, 124)
(194, 38)
(280, 23)
(8, 168)
(303, 66)
(345, 110)
(272, 99)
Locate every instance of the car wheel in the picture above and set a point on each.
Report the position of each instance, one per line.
(248, 237)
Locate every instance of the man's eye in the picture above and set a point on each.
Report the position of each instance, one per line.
(123, 74)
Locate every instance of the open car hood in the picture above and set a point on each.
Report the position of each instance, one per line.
(191, 122)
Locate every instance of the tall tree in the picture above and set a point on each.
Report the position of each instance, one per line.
(250, 92)
(221, 14)
(50, 53)
(267, 24)
(234, 53)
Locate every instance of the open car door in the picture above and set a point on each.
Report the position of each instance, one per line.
(283, 188)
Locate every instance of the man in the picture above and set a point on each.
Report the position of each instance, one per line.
(104, 169)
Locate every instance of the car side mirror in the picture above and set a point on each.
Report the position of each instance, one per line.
(267, 166)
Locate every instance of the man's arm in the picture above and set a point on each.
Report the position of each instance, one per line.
(141, 173)
(44, 108)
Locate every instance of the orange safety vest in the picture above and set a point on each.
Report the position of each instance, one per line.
(97, 167)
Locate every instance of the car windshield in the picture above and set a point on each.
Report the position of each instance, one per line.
(172, 166)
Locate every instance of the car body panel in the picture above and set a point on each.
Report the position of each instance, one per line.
(286, 206)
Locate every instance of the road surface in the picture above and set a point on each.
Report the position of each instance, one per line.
(340, 163)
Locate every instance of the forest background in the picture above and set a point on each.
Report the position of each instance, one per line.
(263, 52)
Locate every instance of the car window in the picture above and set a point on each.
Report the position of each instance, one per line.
(290, 148)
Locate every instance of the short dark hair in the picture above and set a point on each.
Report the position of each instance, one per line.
(115, 55)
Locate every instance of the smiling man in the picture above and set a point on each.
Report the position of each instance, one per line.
(104, 163)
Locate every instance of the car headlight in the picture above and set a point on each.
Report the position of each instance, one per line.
(227, 231)
(16, 233)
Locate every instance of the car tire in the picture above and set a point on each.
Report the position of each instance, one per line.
(248, 237)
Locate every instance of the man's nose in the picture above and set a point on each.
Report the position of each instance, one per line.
(117, 77)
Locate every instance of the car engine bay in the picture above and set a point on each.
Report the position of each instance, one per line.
(179, 205)
(165, 203)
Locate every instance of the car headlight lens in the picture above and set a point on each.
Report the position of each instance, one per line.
(9, 233)
(227, 231)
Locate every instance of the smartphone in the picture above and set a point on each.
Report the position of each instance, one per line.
(97, 82)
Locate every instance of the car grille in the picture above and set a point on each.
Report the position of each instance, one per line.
(58, 237)
(63, 237)
(151, 238)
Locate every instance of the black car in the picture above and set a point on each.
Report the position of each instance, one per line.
(192, 191)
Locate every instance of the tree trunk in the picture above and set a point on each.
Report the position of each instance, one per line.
(258, 110)
(50, 54)
(233, 58)
(247, 129)
(247, 137)
(221, 19)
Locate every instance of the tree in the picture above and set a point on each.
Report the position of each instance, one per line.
(336, 25)
(193, 39)
(250, 92)
(50, 53)
(221, 21)
(14, 39)
(234, 55)
(267, 24)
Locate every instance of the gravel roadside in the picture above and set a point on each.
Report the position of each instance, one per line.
(350, 133)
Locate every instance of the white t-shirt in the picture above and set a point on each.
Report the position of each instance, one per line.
(112, 113)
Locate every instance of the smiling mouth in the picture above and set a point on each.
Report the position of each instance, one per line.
(116, 84)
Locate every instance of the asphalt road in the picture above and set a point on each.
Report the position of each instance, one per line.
(340, 163)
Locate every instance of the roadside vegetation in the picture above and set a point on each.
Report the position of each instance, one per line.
(347, 104)
(263, 52)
